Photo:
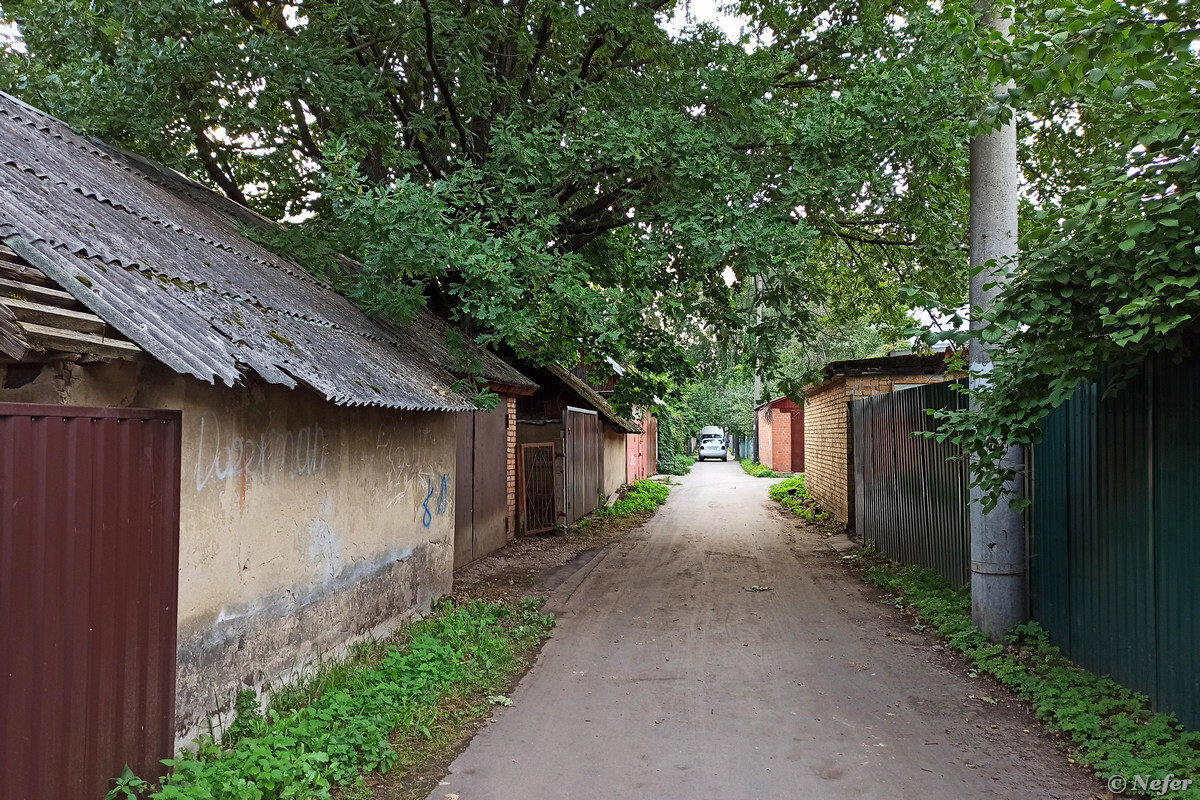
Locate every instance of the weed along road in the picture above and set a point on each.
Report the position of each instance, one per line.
(668, 677)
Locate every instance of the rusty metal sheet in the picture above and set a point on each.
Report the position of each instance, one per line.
(584, 469)
(911, 492)
(89, 536)
(464, 489)
(491, 481)
(481, 491)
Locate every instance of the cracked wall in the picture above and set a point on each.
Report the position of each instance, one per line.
(304, 526)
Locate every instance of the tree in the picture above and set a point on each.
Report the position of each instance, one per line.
(1109, 269)
(558, 176)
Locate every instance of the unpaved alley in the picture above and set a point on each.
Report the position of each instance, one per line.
(667, 677)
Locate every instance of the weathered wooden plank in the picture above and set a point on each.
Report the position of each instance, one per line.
(76, 342)
(34, 293)
(12, 341)
(25, 274)
(53, 316)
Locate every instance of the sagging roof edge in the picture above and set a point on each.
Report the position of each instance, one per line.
(139, 336)
(593, 398)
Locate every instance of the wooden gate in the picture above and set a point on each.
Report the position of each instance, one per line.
(584, 469)
(481, 485)
(539, 511)
(89, 568)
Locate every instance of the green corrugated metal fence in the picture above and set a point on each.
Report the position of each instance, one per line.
(910, 492)
(1115, 533)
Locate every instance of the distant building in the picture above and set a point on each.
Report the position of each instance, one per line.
(828, 439)
(781, 435)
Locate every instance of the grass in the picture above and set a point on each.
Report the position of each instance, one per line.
(368, 712)
(643, 495)
(758, 470)
(1111, 729)
(792, 494)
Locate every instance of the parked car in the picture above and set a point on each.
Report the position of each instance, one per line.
(712, 444)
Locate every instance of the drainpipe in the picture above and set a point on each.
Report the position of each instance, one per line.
(999, 585)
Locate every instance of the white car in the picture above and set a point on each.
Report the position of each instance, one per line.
(713, 447)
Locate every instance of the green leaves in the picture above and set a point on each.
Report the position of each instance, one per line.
(311, 750)
(1108, 265)
(561, 177)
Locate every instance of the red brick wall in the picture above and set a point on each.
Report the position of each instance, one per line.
(828, 464)
(511, 435)
(766, 445)
(781, 441)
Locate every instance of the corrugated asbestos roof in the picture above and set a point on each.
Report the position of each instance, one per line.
(161, 259)
(593, 398)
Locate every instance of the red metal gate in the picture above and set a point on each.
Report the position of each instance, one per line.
(89, 567)
(641, 451)
(481, 485)
(584, 448)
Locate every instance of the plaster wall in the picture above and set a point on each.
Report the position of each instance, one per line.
(303, 526)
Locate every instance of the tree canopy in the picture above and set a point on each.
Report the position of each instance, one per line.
(1104, 93)
(560, 177)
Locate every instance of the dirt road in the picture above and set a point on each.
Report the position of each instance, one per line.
(667, 679)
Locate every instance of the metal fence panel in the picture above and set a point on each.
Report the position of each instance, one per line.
(1175, 469)
(89, 537)
(1113, 546)
(910, 491)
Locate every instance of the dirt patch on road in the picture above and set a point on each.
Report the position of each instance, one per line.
(532, 564)
(529, 565)
(991, 711)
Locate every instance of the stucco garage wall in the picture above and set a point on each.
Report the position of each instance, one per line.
(303, 526)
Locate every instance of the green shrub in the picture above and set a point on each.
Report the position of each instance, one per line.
(1112, 728)
(675, 464)
(758, 470)
(792, 494)
(643, 495)
(309, 751)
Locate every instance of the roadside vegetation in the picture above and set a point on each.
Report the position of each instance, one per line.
(792, 494)
(1109, 728)
(322, 734)
(644, 495)
(758, 470)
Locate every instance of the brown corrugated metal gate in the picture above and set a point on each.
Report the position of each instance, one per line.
(584, 470)
(89, 552)
(481, 485)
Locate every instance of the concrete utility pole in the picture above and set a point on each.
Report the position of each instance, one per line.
(999, 586)
(757, 374)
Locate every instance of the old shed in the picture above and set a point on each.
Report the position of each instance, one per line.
(781, 435)
(213, 467)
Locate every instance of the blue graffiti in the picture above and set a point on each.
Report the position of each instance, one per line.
(443, 501)
(427, 516)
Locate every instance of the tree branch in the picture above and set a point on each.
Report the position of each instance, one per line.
(431, 56)
(204, 149)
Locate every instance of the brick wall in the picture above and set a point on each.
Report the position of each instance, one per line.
(766, 446)
(828, 462)
(510, 425)
(781, 441)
